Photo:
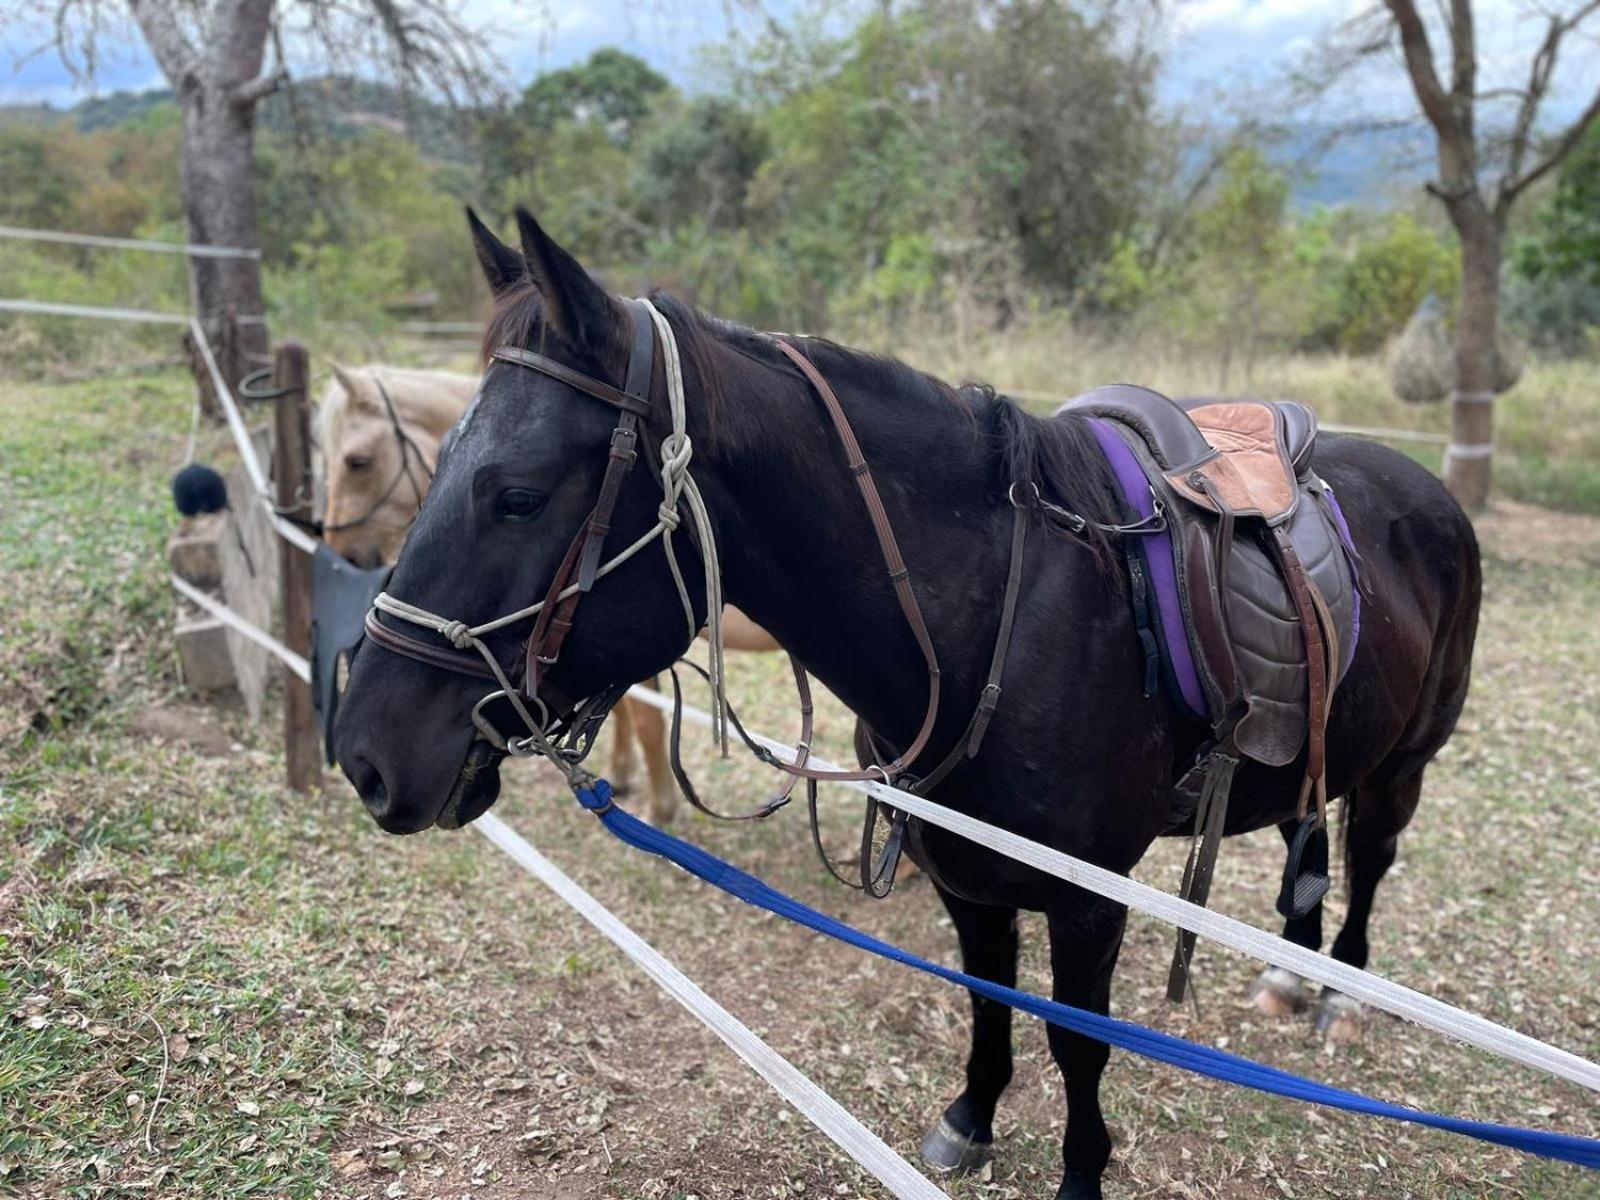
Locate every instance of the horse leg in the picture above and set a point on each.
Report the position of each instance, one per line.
(1376, 813)
(621, 774)
(1085, 937)
(961, 1139)
(1277, 992)
(650, 727)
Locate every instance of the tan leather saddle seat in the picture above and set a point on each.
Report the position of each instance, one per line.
(1264, 584)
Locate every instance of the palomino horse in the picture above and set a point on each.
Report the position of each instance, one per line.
(379, 428)
(1078, 755)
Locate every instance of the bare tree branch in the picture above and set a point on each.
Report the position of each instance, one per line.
(1511, 188)
(1419, 64)
(169, 43)
(257, 89)
(1539, 76)
(1463, 57)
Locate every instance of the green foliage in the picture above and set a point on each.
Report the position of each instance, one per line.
(1386, 279)
(694, 168)
(1554, 292)
(613, 90)
(1241, 287)
(1566, 244)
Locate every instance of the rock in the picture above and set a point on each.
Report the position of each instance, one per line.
(192, 550)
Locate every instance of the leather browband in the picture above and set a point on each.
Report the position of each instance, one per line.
(639, 405)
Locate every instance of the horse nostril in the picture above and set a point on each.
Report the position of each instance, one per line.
(369, 785)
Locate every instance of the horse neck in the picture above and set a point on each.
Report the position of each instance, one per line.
(799, 554)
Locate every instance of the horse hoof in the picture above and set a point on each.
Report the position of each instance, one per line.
(1077, 1186)
(1339, 1018)
(948, 1151)
(1279, 993)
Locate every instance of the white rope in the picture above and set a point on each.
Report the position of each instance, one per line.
(1476, 450)
(821, 1109)
(1362, 985)
(1386, 435)
(292, 534)
(52, 309)
(193, 249)
(295, 662)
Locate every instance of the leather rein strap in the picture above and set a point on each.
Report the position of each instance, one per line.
(899, 576)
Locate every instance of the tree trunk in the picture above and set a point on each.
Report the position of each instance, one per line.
(1468, 462)
(219, 201)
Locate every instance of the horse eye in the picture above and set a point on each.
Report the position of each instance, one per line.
(357, 462)
(518, 504)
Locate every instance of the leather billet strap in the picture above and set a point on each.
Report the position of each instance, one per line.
(971, 741)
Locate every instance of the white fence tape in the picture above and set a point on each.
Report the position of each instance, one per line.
(821, 1109)
(1365, 986)
(51, 309)
(295, 662)
(192, 249)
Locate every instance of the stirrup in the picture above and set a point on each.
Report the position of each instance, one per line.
(1305, 872)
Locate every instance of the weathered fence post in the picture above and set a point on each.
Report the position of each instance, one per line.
(291, 468)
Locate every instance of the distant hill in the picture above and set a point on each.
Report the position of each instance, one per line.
(333, 106)
(1379, 168)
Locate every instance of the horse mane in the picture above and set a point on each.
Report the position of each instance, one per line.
(1058, 453)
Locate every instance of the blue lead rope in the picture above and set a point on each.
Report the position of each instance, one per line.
(1163, 1047)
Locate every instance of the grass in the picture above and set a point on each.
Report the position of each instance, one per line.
(288, 1003)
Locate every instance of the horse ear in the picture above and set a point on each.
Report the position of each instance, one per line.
(502, 266)
(347, 381)
(576, 306)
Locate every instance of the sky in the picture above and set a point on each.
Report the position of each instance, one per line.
(1212, 47)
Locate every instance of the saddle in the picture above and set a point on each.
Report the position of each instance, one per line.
(1245, 600)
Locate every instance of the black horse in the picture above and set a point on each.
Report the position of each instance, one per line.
(1077, 756)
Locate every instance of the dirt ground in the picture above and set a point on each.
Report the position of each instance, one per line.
(211, 987)
(628, 1097)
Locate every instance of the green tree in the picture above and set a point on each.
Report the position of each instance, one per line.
(1240, 285)
(694, 167)
(613, 89)
(1386, 279)
(1565, 244)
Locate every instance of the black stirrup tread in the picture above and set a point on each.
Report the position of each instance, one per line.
(1305, 871)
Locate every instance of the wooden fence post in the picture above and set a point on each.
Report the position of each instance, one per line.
(291, 469)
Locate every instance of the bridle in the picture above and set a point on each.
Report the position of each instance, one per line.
(408, 449)
(566, 740)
